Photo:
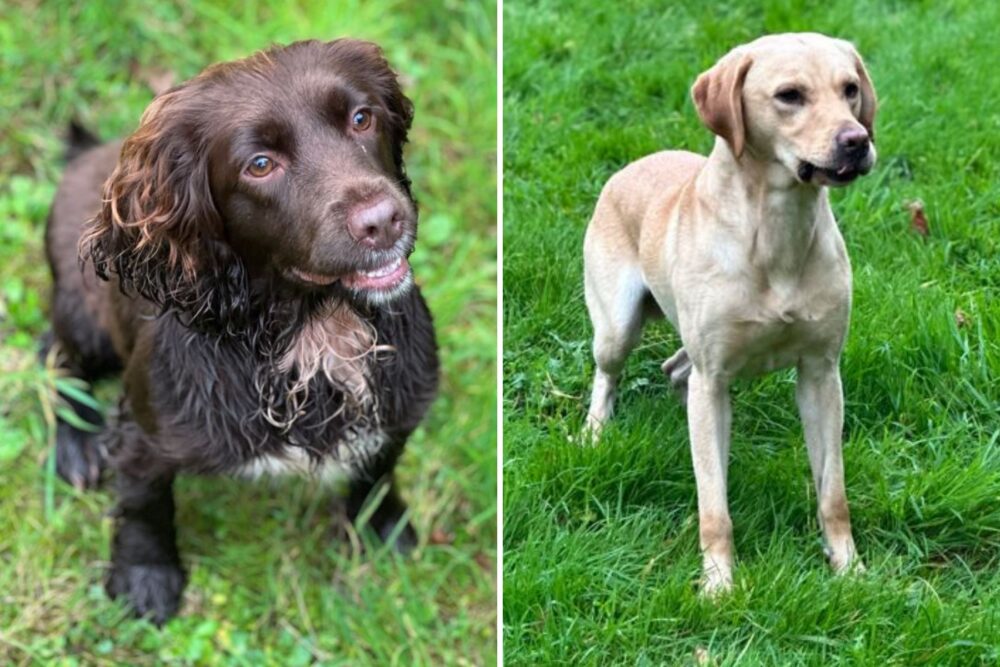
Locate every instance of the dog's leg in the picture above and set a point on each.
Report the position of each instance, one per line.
(145, 565)
(709, 421)
(80, 455)
(821, 406)
(386, 518)
(615, 305)
(678, 369)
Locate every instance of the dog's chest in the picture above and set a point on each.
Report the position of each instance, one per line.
(318, 405)
(349, 458)
(334, 347)
(316, 409)
(776, 327)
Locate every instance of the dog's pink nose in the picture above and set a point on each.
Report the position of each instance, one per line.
(377, 226)
(852, 139)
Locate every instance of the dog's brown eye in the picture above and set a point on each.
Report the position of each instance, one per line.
(790, 96)
(361, 120)
(851, 91)
(260, 166)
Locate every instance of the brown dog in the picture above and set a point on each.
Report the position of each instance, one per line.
(253, 237)
(741, 252)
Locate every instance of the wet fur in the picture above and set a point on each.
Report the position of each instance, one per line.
(228, 367)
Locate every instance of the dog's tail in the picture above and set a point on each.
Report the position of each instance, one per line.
(79, 140)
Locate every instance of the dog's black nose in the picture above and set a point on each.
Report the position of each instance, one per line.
(852, 141)
(377, 225)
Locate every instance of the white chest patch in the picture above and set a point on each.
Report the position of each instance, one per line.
(335, 344)
(350, 457)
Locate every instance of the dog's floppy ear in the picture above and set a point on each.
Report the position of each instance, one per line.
(158, 229)
(869, 102)
(718, 97)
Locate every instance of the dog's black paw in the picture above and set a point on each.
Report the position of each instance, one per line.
(388, 520)
(404, 542)
(80, 456)
(152, 591)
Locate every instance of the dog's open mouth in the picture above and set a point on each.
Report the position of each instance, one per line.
(317, 279)
(842, 175)
(384, 278)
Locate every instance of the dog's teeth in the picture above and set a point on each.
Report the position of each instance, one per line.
(383, 271)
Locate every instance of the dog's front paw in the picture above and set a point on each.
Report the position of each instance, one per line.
(716, 577)
(152, 591)
(843, 555)
(590, 436)
(846, 565)
(388, 520)
(404, 542)
(715, 584)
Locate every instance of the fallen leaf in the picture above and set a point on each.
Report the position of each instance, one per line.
(440, 536)
(918, 219)
(484, 561)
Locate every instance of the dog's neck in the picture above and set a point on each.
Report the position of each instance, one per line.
(300, 337)
(776, 213)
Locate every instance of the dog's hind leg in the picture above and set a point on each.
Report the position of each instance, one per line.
(678, 369)
(82, 349)
(615, 296)
(80, 455)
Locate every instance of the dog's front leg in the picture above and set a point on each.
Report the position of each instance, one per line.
(821, 406)
(709, 422)
(388, 516)
(145, 565)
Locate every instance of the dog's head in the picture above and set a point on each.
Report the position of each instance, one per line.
(802, 100)
(283, 171)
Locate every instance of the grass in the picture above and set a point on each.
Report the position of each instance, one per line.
(270, 583)
(600, 544)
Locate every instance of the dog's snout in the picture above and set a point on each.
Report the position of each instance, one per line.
(852, 140)
(377, 225)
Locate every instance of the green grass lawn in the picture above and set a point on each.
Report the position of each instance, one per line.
(601, 544)
(271, 583)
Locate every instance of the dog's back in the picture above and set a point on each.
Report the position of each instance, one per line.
(79, 297)
(629, 193)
